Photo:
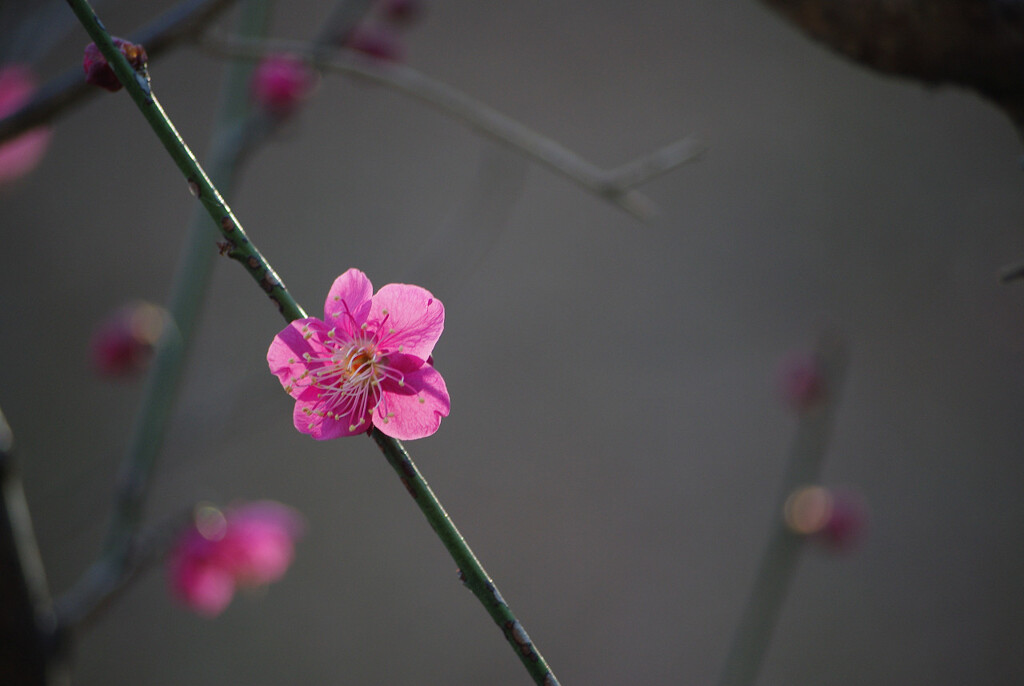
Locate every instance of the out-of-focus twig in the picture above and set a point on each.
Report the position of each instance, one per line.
(615, 185)
(69, 89)
(107, 578)
(28, 632)
(761, 612)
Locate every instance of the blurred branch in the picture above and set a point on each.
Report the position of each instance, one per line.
(778, 561)
(231, 139)
(106, 579)
(70, 89)
(978, 44)
(615, 185)
(28, 635)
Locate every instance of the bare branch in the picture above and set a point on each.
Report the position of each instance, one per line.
(616, 185)
(70, 89)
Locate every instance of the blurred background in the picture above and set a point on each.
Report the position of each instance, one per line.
(616, 438)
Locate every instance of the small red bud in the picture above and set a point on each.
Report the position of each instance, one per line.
(280, 83)
(835, 519)
(123, 343)
(403, 12)
(99, 73)
(378, 42)
(801, 382)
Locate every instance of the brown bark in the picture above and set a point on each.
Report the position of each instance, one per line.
(978, 44)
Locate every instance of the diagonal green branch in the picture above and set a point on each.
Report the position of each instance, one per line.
(69, 89)
(242, 250)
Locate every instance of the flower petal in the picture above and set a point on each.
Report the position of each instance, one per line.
(414, 318)
(416, 410)
(285, 355)
(350, 295)
(310, 418)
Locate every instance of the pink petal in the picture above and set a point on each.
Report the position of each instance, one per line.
(197, 576)
(321, 427)
(417, 408)
(414, 318)
(208, 591)
(21, 155)
(262, 535)
(348, 302)
(285, 356)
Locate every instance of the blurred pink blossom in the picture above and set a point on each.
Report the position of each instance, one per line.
(846, 524)
(367, 363)
(280, 83)
(836, 519)
(123, 343)
(801, 381)
(21, 155)
(244, 547)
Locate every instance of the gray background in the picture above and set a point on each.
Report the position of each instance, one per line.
(615, 441)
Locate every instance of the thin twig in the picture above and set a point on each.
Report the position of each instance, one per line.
(778, 561)
(615, 185)
(70, 89)
(246, 253)
(28, 633)
(107, 579)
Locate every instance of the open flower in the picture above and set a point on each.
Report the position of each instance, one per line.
(367, 363)
(248, 546)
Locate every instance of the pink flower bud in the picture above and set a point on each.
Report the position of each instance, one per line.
(123, 343)
(835, 519)
(21, 155)
(801, 382)
(243, 547)
(280, 83)
(402, 12)
(377, 42)
(99, 73)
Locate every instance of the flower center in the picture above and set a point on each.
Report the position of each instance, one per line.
(349, 379)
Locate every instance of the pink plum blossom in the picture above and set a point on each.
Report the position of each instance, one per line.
(280, 83)
(367, 363)
(21, 155)
(244, 547)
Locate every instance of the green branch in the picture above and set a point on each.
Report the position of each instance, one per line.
(241, 249)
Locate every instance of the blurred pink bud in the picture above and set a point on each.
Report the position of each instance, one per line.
(403, 12)
(244, 547)
(280, 83)
(377, 42)
(99, 73)
(21, 155)
(835, 519)
(847, 522)
(123, 343)
(801, 381)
